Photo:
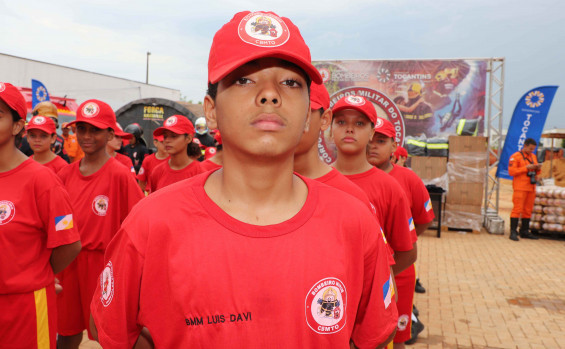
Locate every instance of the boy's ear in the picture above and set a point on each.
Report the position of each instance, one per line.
(372, 134)
(210, 112)
(326, 119)
(53, 138)
(110, 134)
(307, 124)
(18, 127)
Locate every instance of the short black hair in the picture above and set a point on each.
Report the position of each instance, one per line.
(15, 116)
(530, 141)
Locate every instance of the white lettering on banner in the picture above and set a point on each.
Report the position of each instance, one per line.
(525, 129)
(407, 76)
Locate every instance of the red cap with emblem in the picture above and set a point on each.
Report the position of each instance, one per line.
(209, 152)
(96, 113)
(357, 103)
(178, 124)
(385, 127)
(400, 151)
(253, 35)
(319, 97)
(43, 123)
(13, 98)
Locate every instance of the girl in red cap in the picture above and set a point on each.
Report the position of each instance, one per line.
(177, 132)
(102, 192)
(39, 237)
(250, 255)
(41, 135)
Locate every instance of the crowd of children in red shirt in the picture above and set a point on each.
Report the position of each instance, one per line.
(262, 245)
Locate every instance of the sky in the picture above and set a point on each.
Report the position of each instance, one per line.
(113, 37)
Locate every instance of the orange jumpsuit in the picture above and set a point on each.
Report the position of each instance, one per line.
(524, 192)
(72, 148)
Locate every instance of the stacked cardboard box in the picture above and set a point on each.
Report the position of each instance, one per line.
(432, 170)
(466, 170)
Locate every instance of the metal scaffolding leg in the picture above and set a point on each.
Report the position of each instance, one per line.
(494, 135)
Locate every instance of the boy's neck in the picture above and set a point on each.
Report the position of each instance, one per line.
(44, 157)
(10, 157)
(350, 164)
(310, 165)
(93, 162)
(111, 152)
(179, 161)
(385, 166)
(161, 155)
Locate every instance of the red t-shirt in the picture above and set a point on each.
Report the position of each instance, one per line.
(126, 161)
(147, 166)
(208, 165)
(314, 281)
(418, 196)
(393, 209)
(163, 175)
(56, 164)
(101, 201)
(35, 217)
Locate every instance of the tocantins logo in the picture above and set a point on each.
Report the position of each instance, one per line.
(2, 87)
(41, 94)
(90, 110)
(534, 99)
(355, 100)
(100, 205)
(263, 30)
(107, 285)
(326, 305)
(7, 211)
(39, 120)
(171, 121)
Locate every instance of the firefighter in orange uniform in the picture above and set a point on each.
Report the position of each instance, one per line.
(524, 167)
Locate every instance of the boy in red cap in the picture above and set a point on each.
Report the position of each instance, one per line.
(150, 162)
(39, 237)
(115, 144)
(399, 156)
(380, 149)
(103, 192)
(41, 135)
(250, 255)
(177, 132)
(216, 160)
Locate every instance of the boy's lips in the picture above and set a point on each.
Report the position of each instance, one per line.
(348, 140)
(268, 122)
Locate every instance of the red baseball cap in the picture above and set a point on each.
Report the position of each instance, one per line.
(95, 113)
(13, 98)
(253, 35)
(119, 131)
(159, 138)
(319, 97)
(218, 137)
(209, 152)
(385, 127)
(178, 124)
(43, 123)
(357, 103)
(400, 151)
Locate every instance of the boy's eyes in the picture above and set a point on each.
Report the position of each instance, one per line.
(242, 81)
(292, 83)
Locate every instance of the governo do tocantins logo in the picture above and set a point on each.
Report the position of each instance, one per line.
(263, 30)
(534, 99)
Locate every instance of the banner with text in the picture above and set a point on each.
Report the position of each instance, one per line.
(527, 121)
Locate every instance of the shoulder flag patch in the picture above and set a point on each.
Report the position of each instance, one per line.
(411, 224)
(64, 222)
(428, 205)
(387, 292)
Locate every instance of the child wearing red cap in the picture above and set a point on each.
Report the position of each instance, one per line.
(380, 149)
(102, 191)
(215, 161)
(41, 135)
(115, 144)
(38, 235)
(250, 255)
(150, 162)
(399, 156)
(177, 132)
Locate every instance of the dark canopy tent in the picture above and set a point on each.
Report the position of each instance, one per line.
(150, 113)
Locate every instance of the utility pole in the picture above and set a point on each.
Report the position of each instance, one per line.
(147, 71)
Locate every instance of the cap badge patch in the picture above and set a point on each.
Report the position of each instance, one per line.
(7, 211)
(326, 304)
(379, 123)
(355, 100)
(263, 30)
(90, 110)
(2, 87)
(171, 121)
(107, 285)
(38, 120)
(100, 205)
